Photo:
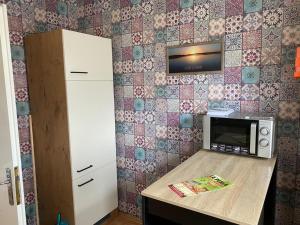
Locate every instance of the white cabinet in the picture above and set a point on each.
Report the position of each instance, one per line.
(71, 91)
(91, 191)
(91, 125)
(87, 58)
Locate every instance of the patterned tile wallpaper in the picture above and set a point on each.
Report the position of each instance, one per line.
(157, 116)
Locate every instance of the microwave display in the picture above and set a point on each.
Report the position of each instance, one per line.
(232, 132)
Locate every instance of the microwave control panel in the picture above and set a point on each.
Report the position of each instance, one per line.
(265, 138)
(229, 149)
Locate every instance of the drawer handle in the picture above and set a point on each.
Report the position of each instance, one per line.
(81, 72)
(90, 180)
(79, 171)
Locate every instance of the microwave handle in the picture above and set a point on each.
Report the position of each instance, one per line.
(253, 138)
(206, 132)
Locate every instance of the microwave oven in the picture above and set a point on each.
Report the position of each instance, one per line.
(245, 134)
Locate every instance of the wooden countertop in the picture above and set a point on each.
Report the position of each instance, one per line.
(240, 203)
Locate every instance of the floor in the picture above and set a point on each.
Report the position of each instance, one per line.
(118, 218)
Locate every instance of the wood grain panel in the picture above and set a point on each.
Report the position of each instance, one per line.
(45, 66)
(119, 218)
(241, 203)
(34, 171)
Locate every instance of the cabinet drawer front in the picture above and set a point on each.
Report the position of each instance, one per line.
(95, 195)
(87, 57)
(91, 125)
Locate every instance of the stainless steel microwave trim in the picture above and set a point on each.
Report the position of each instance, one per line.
(247, 116)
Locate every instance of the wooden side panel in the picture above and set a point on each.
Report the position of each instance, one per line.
(47, 89)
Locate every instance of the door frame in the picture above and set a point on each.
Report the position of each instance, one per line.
(12, 111)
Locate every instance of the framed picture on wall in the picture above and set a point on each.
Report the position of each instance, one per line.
(195, 58)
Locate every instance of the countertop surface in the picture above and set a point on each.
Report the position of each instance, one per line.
(240, 203)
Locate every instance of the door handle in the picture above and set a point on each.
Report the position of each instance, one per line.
(5, 182)
(80, 72)
(89, 181)
(9, 186)
(86, 168)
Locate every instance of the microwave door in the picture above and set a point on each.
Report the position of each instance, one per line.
(234, 135)
(253, 136)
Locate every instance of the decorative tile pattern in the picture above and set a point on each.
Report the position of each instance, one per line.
(232, 75)
(253, 21)
(271, 37)
(250, 92)
(233, 58)
(186, 16)
(289, 110)
(201, 12)
(233, 41)
(201, 31)
(269, 107)
(200, 91)
(200, 106)
(252, 5)
(270, 74)
(291, 15)
(291, 35)
(186, 31)
(288, 129)
(288, 55)
(157, 124)
(216, 92)
(186, 3)
(250, 75)
(249, 106)
(251, 57)
(173, 18)
(217, 27)
(234, 7)
(234, 24)
(272, 18)
(290, 91)
(251, 39)
(269, 92)
(232, 92)
(217, 9)
(186, 121)
(270, 56)
(186, 106)
(287, 72)
(172, 5)
(270, 4)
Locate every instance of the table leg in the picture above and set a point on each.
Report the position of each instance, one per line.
(269, 207)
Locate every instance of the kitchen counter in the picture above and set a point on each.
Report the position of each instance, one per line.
(240, 203)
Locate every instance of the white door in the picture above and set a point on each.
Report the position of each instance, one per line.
(12, 207)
